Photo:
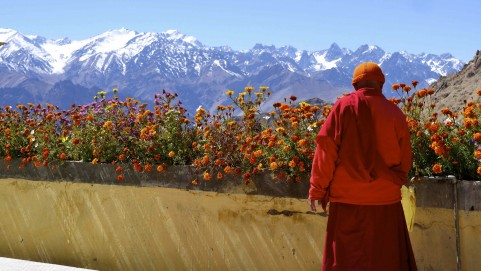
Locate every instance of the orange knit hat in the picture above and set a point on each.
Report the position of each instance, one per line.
(367, 71)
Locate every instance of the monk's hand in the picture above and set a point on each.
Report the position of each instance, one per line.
(313, 205)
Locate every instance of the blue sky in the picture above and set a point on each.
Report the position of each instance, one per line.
(416, 26)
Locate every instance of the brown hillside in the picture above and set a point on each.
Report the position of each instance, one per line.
(454, 90)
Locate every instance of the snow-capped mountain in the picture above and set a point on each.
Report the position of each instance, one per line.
(36, 69)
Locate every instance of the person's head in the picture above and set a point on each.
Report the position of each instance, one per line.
(368, 74)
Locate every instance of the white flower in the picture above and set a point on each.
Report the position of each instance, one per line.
(198, 108)
(309, 128)
(32, 132)
(267, 117)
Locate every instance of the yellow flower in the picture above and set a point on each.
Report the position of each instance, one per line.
(102, 93)
(230, 92)
(249, 89)
(303, 104)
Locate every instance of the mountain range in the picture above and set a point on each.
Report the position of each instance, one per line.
(38, 70)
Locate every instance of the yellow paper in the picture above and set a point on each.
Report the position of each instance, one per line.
(409, 205)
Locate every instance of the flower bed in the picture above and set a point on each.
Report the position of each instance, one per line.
(236, 140)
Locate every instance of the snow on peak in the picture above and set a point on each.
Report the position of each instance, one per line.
(368, 48)
(176, 35)
(6, 33)
(113, 40)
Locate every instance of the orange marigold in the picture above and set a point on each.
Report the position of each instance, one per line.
(120, 177)
(446, 111)
(477, 136)
(303, 142)
(138, 168)
(437, 168)
(171, 154)
(421, 93)
(207, 176)
(284, 107)
(228, 169)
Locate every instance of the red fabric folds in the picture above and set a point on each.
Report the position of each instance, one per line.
(367, 238)
(352, 120)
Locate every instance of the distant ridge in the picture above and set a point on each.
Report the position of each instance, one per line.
(39, 70)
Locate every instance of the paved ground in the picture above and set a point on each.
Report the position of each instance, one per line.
(7, 264)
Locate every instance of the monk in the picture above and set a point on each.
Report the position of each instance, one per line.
(362, 159)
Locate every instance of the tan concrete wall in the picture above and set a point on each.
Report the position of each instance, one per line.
(108, 227)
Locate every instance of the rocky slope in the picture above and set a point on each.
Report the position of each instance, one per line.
(452, 91)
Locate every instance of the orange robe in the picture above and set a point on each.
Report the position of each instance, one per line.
(362, 158)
